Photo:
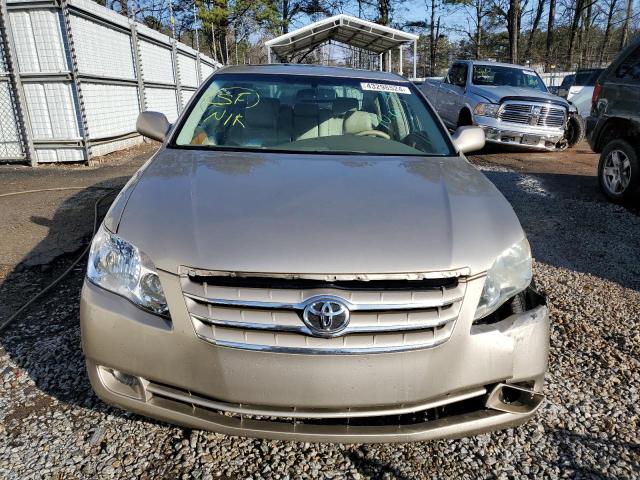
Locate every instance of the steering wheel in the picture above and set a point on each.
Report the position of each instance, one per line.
(373, 133)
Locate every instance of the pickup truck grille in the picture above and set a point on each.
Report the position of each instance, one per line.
(260, 314)
(527, 114)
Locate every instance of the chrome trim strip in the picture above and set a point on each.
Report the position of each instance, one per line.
(302, 329)
(419, 305)
(322, 351)
(294, 412)
(460, 272)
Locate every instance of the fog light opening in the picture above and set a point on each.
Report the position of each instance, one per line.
(125, 378)
(123, 383)
(514, 399)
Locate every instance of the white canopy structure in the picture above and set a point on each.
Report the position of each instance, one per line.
(347, 30)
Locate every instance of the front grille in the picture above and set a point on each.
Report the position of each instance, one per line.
(266, 314)
(524, 114)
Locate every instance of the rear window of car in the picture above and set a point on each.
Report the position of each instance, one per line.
(587, 78)
(313, 114)
(629, 69)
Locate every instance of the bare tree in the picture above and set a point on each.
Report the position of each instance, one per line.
(550, 28)
(575, 23)
(513, 27)
(625, 27)
(607, 31)
(534, 27)
(434, 34)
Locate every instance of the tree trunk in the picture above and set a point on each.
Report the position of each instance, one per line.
(625, 27)
(607, 31)
(573, 31)
(550, 25)
(478, 36)
(432, 40)
(585, 35)
(384, 9)
(534, 28)
(513, 26)
(285, 16)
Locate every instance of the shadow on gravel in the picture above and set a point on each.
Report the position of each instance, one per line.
(570, 224)
(581, 466)
(44, 341)
(373, 468)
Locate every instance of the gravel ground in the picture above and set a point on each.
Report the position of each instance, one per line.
(588, 262)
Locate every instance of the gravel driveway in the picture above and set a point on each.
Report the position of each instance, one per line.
(588, 262)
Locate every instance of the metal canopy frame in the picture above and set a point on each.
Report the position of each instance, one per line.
(348, 30)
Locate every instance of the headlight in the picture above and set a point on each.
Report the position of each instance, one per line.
(118, 266)
(487, 109)
(510, 274)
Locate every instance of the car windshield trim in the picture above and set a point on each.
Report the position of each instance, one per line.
(219, 148)
(318, 81)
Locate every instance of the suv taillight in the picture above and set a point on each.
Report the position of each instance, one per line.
(596, 93)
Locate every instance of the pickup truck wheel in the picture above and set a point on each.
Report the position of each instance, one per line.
(575, 130)
(619, 171)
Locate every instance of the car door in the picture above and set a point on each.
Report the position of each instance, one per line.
(622, 87)
(451, 94)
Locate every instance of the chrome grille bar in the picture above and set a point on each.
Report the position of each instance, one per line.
(306, 331)
(373, 307)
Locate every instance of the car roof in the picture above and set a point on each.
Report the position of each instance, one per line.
(493, 64)
(312, 70)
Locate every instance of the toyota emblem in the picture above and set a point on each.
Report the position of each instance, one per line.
(326, 316)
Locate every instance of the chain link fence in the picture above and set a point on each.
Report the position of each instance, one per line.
(74, 76)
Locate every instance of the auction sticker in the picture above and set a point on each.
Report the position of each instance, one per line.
(384, 87)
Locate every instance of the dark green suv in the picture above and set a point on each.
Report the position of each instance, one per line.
(613, 128)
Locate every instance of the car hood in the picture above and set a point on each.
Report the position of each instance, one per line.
(309, 213)
(499, 93)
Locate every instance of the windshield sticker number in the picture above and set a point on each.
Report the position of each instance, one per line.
(383, 87)
(529, 72)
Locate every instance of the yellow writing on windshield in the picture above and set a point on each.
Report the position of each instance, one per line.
(229, 105)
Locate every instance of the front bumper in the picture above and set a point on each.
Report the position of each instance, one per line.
(436, 392)
(521, 136)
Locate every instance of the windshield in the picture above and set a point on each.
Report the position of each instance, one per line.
(496, 75)
(312, 114)
(587, 78)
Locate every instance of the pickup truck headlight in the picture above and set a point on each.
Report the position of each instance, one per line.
(510, 274)
(120, 267)
(487, 109)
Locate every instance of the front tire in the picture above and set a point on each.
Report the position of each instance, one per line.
(576, 130)
(619, 171)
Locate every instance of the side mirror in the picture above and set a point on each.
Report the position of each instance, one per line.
(468, 139)
(153, 125)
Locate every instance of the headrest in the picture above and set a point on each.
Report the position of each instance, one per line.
(502, 78)
(326, 94)
(305, 110)
(264, 114)
(343, 105)
(306, 94)
(357, 122)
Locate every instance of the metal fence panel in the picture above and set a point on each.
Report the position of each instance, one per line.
(112, 110)
(51, 110)
(38, 41)
(156, 63)
(188, 71)
(206, 70)
(10, 141)
(186, 96)
(101, 50)
(162, 100)
(86, 73)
